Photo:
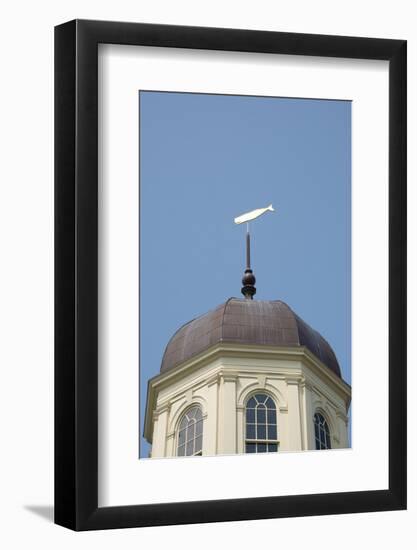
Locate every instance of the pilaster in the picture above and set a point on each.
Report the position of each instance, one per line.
(160, 432)
(210, 433)
(294, 416)
(227, 420)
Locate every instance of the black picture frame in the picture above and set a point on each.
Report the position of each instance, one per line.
(76, 273)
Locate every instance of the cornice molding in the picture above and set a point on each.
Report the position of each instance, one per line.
(227, 350)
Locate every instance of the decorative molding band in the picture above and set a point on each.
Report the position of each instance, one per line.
(250, 351)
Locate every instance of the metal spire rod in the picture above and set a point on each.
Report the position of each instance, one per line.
(247, 246)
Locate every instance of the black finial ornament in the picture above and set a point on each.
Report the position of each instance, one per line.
(248, 279)
(248, 282)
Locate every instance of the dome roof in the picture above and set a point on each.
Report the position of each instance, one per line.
(240, 321)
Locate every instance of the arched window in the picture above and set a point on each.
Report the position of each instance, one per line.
(190, 433)
(261, 425)
(321, 432)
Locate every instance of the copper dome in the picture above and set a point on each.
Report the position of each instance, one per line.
(269, 323)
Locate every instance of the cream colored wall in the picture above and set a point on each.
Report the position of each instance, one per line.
(222, 386)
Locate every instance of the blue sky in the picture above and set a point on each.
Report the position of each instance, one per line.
(204, 159)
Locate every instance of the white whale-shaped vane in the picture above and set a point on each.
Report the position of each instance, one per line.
(253, 214)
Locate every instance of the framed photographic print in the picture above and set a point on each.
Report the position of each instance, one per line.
(230, 274)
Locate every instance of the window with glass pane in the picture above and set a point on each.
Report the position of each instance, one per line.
(261, 425)
(321, 432)
(190, 433)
